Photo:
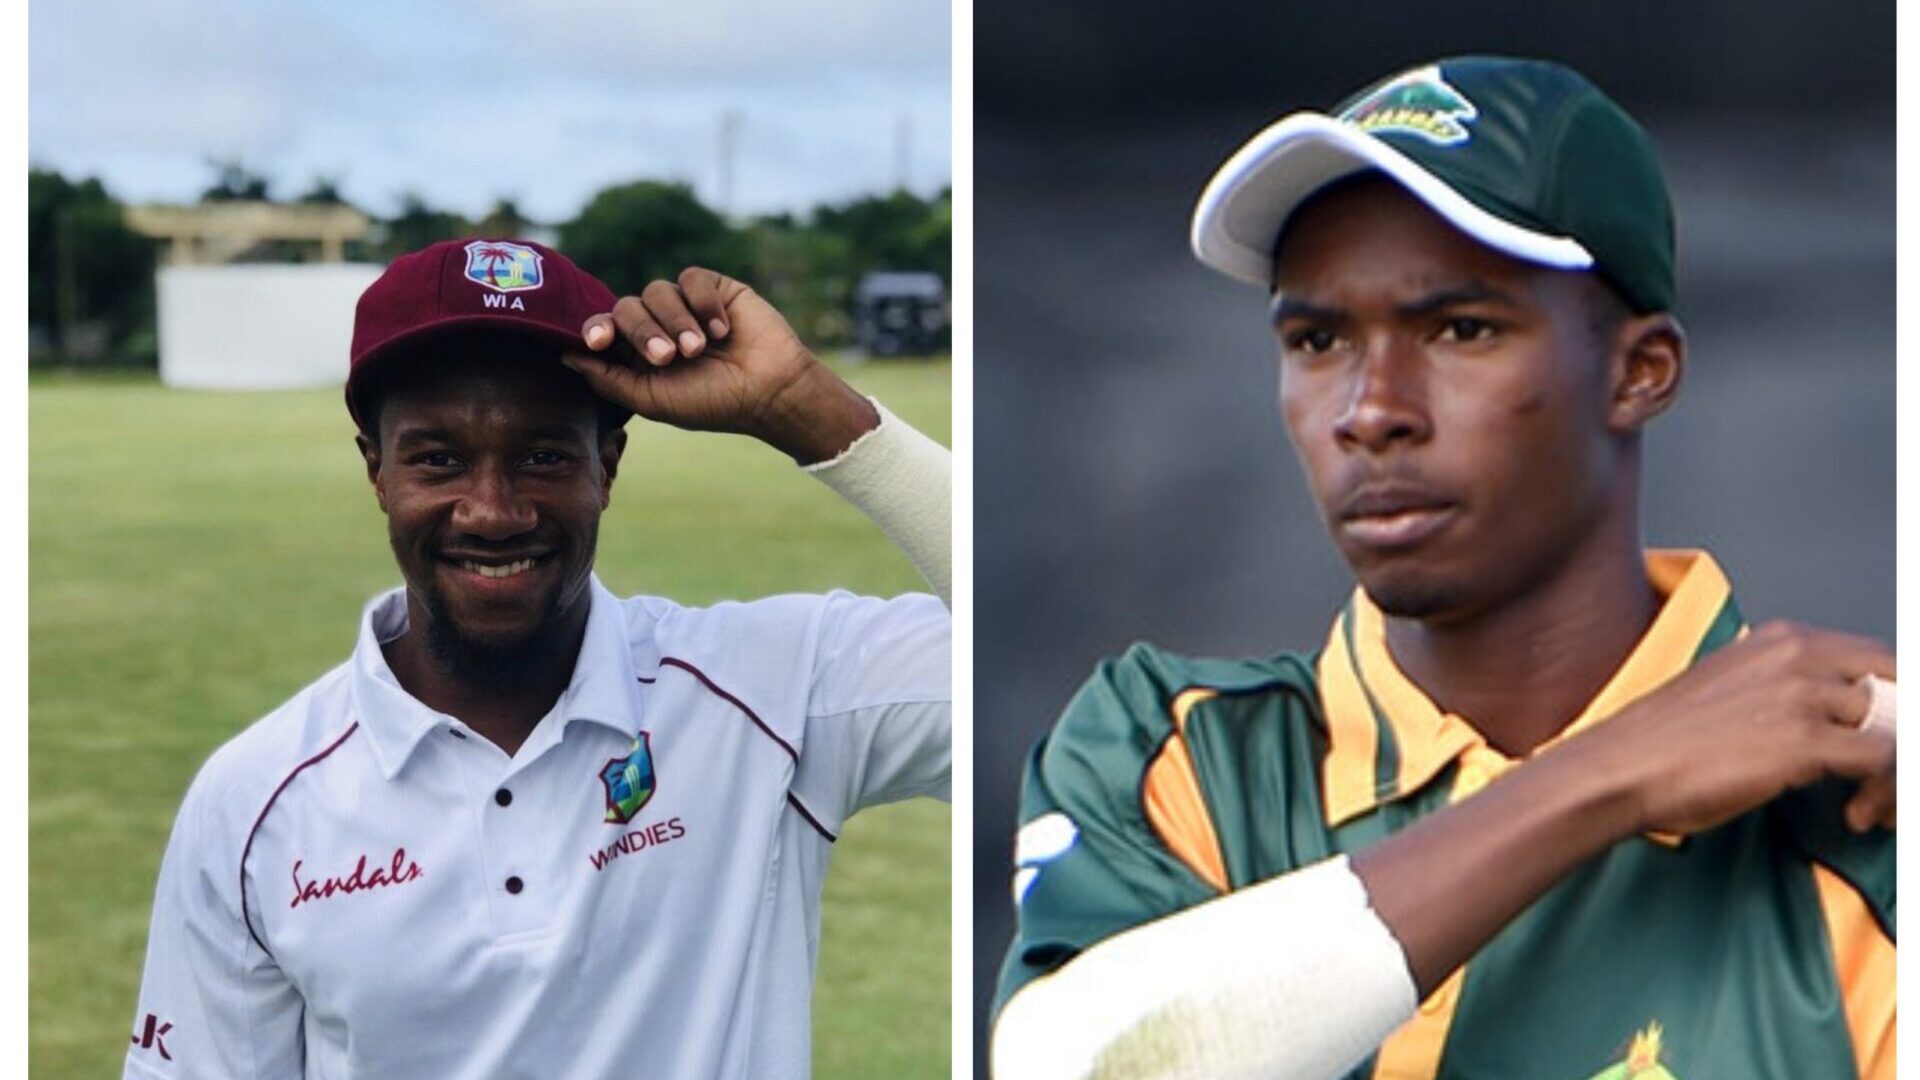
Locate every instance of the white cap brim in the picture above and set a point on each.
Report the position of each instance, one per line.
(1240, 214)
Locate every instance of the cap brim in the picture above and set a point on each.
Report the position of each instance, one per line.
(377, 357)
(1240, 214)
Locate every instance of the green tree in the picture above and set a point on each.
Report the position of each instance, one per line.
(504, 220)
(893, 232)
(931, 241)
(324, 191)
(418, 224)
(234, 182)
(85, 267)
(633, 233)
(806, 273)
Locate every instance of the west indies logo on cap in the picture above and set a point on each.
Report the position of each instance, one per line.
(503, 267)
(1417, 103)
(629, 781)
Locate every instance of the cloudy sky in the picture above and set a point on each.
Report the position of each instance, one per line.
(543, 101)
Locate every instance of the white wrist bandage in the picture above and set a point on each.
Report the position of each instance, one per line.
(903, 481)
(1883, 708)
(1294, 977)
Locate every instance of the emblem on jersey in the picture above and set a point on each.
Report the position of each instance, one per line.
(1643, 1059)
(503, 267)
(1417, 103)
(1039, 842)
(629, 782)
(154, 1036)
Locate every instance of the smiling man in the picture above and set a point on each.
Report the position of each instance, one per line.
(531, 828)
(1541, 805)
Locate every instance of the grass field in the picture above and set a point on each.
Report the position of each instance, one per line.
(198, 557)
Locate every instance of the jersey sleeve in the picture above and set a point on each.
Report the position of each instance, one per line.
(1088, 864)
(879, 723)
(212, 1002)
(1814, 818)
(1853, 878)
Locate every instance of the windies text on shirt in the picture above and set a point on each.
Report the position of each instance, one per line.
(638, 840)
(400, 871)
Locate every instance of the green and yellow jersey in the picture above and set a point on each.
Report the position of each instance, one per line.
(1761, 948)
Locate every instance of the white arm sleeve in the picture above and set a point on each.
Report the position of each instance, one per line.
(212, 1002)
(903, 481)
(1295, 977)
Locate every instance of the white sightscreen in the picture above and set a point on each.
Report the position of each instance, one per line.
(258, 327)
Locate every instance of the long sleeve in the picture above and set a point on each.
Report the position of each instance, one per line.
(212, 1002)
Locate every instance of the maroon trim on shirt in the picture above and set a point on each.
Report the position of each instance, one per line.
(810, 819)
(792, 799)
(737, 703)
(248, 850)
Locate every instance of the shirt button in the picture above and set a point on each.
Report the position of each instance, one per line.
(513, 885)
(503, 797)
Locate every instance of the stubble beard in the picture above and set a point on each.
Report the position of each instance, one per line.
(494, 662)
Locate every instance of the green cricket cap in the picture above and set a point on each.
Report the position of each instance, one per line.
(1525, 156)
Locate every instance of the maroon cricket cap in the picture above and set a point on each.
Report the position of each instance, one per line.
(512, 285)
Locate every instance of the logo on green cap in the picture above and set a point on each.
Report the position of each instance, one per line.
(1417, 103)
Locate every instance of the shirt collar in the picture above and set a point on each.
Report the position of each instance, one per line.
(1387, 739)
(603, 689)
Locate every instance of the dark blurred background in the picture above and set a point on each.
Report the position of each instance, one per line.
(1132, 479)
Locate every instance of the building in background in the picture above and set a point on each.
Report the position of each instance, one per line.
(252, 294)
(216, 233)
(898, 313)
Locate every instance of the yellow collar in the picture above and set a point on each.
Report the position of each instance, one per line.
(1387, 739)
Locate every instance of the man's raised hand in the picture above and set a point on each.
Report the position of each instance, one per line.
(1779, 709)
(705, 352)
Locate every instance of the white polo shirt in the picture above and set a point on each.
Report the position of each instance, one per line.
(360, 886)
